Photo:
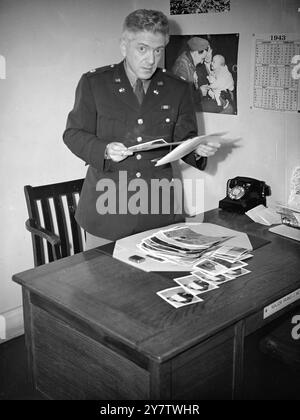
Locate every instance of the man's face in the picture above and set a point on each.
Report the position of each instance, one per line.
(143, 51)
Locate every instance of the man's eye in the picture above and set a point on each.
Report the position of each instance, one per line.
(158, 51)
(142, 49)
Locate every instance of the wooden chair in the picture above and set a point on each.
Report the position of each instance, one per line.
(51, 210)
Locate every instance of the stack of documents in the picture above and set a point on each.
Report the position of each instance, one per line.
(180, 245)
(218, 266)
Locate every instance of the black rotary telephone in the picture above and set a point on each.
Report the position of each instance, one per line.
(243, 194)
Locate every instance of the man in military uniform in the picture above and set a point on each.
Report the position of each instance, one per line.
(122, 105)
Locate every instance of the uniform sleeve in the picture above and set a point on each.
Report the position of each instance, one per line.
(186, 127)
(80, 134)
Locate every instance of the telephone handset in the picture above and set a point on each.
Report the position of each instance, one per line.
(242, 194)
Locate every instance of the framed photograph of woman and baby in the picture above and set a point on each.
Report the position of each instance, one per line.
(209, 64)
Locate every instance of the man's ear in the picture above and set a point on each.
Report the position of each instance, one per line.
(123, 46)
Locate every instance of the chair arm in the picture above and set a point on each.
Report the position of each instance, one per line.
(43, 233)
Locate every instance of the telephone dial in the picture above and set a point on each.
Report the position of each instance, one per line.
(242, 194)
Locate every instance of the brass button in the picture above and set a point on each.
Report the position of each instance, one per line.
(140, 121)
(138, 157)
(138, 174)
(139, 139)
(168, 120)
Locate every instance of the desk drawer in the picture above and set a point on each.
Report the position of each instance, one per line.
(69, 365)
(205, 372)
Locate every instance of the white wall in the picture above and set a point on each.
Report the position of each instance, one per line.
(49, 44)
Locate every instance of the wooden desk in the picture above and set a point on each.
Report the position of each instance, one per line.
(95, 328)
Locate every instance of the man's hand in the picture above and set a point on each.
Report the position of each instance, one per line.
(207, 150)
(117, 152)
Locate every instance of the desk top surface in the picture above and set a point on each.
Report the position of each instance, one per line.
(121, 302)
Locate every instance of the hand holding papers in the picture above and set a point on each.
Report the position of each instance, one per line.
(189, 146)
(183, 147)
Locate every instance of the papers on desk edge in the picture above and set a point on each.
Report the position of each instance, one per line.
(290, 216)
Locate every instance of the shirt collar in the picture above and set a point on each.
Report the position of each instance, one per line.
(132, 77)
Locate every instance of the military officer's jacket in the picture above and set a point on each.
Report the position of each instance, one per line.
(106, 110)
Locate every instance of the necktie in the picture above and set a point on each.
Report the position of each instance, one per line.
(139, 90)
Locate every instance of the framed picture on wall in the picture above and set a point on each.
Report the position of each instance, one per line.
(209, 64)
(180, 7)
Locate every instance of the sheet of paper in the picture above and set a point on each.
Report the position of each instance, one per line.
(287, 231)
(149, 145)
(127, 247)
(189, 145)
(263, 215)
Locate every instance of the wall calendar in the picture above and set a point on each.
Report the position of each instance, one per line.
(275, 79)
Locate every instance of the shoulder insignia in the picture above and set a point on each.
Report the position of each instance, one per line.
(100, 70)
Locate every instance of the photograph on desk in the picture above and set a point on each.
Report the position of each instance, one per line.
(180, 245)
(209, 62)
(219, 264)
(195, 285)
(178, 297)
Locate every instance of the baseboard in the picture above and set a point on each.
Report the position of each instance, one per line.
(11, 324)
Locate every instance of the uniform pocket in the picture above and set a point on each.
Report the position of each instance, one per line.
(111, 124)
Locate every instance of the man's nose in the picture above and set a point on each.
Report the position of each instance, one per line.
(151, 57)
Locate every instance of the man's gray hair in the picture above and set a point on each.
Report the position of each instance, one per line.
(147, 20)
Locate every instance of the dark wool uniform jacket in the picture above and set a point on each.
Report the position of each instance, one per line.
(106, 110)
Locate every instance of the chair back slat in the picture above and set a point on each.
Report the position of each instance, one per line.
(48, 221)
(53, 207)
(62, 226)
(33, 212)
(75, 228)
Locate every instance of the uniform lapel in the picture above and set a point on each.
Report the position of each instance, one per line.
(157, 90)
(123, 91)
(122, 88)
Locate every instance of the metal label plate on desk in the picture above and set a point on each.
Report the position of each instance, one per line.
(281, 303)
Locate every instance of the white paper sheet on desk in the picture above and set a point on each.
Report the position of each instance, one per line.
(127, 247)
